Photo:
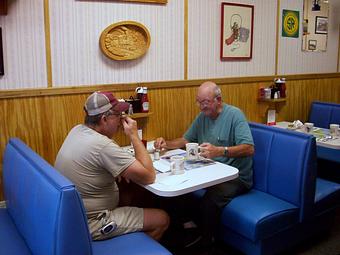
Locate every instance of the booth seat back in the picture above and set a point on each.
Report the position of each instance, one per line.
(285, 165)
(45, 206)
(322, 114)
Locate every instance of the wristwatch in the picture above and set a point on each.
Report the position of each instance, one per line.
(225, 153)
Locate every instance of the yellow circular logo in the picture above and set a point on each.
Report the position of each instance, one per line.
(290, 23)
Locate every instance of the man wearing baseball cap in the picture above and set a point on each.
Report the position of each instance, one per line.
(94, 162)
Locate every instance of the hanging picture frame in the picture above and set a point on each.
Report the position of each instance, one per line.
(236, 31)
(321, 25)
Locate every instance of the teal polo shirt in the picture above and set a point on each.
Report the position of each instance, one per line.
(230, 128)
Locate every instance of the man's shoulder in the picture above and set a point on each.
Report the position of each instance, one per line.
(232, 108)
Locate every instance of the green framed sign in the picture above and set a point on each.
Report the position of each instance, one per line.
(290, 23)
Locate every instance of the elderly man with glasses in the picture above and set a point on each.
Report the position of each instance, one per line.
(224, 135)
(94, 163)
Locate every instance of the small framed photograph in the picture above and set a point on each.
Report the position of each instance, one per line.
(312, 44)
(236, 31)
(321, 25)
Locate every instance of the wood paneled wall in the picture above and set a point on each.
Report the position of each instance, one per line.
(43, 121)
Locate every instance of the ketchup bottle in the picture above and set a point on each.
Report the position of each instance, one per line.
(145, 100)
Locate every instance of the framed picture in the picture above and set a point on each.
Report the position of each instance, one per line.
(312, 44)
(2, 69)
(321, 25)
(236, 31)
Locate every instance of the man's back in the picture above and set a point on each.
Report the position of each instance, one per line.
(87, 158)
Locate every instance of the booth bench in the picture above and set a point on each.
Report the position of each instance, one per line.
(44, 213)
(323, 114)
(287, 203)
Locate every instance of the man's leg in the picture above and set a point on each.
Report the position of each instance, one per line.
(212, 204)
(156, 221)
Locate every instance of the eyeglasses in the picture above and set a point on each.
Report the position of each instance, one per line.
(117, 114)
(205, 102)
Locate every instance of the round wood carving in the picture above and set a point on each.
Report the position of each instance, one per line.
(125, 40)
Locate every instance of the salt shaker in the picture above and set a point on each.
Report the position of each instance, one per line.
(156, 154)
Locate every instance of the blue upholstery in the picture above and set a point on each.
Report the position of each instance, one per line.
(287, 203)
(283, 158)
(322, 114)
(258, 221)
(327, 196)
(11, 241)
(45, 211)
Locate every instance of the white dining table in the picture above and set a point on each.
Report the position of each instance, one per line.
(170, 185)
(322, 135)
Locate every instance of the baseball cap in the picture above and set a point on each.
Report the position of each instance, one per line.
(99, 102)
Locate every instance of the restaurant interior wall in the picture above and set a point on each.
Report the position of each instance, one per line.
(53, 62)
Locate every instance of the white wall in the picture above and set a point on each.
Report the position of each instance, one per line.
(292, 60)
(204, 41)
(77, 59)
(75, 27)
(23, 39)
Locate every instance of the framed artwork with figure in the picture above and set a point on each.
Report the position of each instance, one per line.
(236, 31)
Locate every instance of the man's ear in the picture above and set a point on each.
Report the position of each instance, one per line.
(103, 119)
(219, 99)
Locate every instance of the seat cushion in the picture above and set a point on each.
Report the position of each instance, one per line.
(327, 196)
(11, 241)
(130, 244)
(257, 215)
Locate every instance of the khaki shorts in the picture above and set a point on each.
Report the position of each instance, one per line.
(128, 219)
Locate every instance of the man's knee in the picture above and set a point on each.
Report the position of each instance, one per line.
(164, 220)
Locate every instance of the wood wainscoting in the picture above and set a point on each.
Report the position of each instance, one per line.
(42, 118)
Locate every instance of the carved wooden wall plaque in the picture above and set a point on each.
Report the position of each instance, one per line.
(125, 40)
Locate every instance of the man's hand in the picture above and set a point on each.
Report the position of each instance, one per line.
(160, 143)
(210, 151)
(130, 126)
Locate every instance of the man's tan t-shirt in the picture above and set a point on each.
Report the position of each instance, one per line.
(92, 162)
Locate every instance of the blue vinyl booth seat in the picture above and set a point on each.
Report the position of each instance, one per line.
(322, 114)
(287, 202)
(44, 213)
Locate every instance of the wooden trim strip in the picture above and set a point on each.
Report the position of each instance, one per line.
(186, 39)
(338, 63)
(48, 43)
(153, 85)
(277, 37)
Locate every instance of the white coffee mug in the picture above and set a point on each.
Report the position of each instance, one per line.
(177, 164)
(334, 129)
(308, 127)
(192, 151)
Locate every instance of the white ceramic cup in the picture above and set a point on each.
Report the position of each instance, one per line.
(309, 127)
(334, 129)
(177, 164)
(192, 151)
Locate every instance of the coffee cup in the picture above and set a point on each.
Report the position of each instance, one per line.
(177, 164)
(309, 127)
(334, 129)
(192, 151)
